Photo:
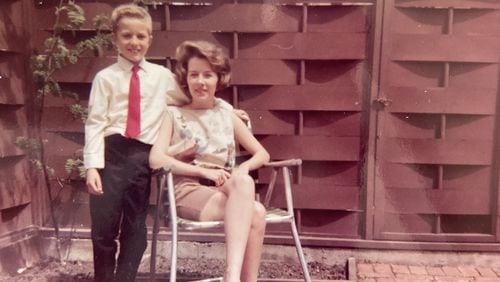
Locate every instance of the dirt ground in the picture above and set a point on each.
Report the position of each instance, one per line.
(188, 269)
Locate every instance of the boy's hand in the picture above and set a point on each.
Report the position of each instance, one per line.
(94, 185)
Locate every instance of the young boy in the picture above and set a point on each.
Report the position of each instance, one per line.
(126, 103)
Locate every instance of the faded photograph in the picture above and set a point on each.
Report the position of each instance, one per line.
(247, 140)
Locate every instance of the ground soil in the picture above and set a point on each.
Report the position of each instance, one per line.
(188, 269)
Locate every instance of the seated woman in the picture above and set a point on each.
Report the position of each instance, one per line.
(202, 136)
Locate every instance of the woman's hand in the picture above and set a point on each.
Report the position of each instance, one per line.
(94, 185)
(242, 115)
(219, 176)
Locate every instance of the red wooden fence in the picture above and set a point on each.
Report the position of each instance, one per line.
(392, 105)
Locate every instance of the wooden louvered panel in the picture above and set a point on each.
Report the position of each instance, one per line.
(236, 17)
(61, 119)
(313, 147)
(11, 78)
(322, 197)
(424, 126)
(299, 45)
(45, 14)
(165, 42)
(12, 33)
(445, 4)
(266, 122)
(15, 187)
(442, 100)
(476, 22)
(337, 123)
(12, 118)
(318, 173)
(432, 201)
(303, 97)
(11, 91)
(336, 223)
(437, 151)
(329, 18)
(84, 70)
(64, 143)
(448, 48)
(264, 72)
(14, 192)
(421, 176)
(7, 142)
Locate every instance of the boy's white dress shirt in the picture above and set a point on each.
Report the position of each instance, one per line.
(108, 105)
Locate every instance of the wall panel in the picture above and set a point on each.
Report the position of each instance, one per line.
(17, 181)
(437, 134)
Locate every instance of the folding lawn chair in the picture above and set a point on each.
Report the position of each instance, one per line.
(164, 181)
(273, 215)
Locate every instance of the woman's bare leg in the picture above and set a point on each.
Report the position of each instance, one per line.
(237, 221)
(238, 214)
(253, 252)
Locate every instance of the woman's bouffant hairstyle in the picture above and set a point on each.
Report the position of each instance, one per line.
(130, 11)
(215, 56)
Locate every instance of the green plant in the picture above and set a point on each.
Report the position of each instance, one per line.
(54, 56)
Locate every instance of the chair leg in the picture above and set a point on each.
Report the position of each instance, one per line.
(300, 252)
(173, 255)
(152, 265)
(154, 239)
(173, 226)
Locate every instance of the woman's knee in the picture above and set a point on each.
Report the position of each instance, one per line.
(242, 180)
(259, 215)
(242, 184)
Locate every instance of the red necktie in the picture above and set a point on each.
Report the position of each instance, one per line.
(134, 105)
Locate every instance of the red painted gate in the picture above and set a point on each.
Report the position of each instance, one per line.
(436, 162)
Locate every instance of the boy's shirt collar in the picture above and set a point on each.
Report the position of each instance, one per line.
(127, 65)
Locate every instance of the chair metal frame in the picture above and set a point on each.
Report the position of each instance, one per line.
(273, 215)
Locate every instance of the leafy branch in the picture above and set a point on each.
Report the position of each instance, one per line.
(55, 55)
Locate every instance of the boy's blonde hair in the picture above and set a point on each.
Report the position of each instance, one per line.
(218, 60)
(130, 11)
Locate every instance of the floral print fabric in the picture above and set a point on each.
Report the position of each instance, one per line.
(203, 137)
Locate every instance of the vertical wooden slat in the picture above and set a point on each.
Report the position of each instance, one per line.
(236, 45)
(495, 189)
(442, 127)
(304, 18)
(168, 23)
(376, 197)
(449, 26)
(370, 177)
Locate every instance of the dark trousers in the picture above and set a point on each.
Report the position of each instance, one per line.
(122, 209)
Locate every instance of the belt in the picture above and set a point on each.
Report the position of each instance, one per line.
(206, 182)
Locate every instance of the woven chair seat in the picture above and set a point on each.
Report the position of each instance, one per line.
(273, 215)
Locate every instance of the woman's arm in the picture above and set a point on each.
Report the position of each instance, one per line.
(158, 157)
(244, 137)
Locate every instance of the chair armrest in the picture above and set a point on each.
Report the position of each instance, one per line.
(162, 171)
(157, 172)
(290, 162)
(282, 166)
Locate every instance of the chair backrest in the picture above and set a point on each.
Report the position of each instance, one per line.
(241, 154)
